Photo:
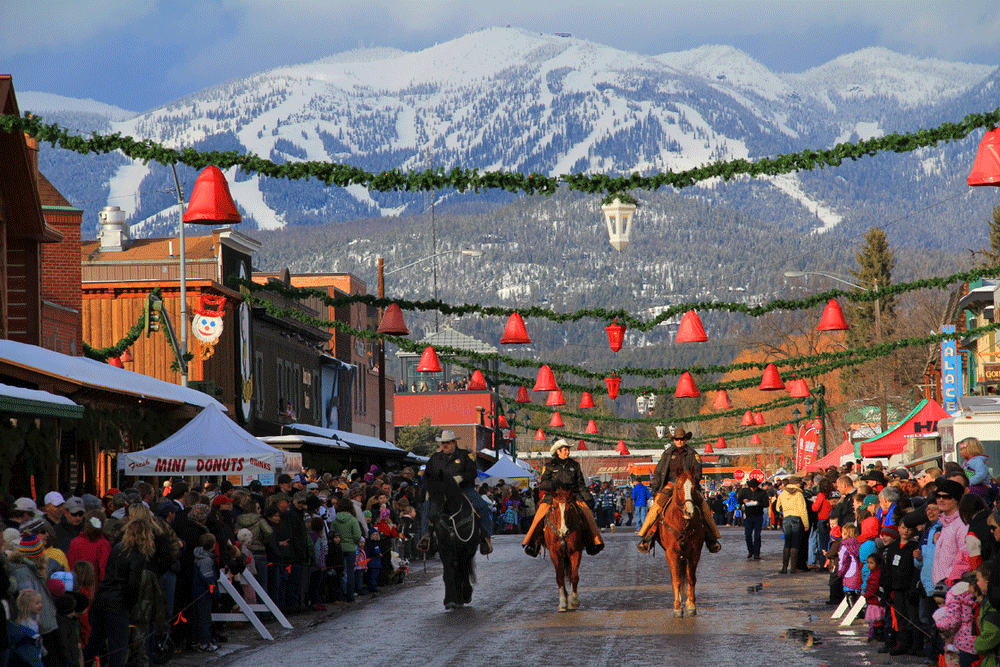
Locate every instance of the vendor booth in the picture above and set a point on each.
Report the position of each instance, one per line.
(507, 470)
(922, 421)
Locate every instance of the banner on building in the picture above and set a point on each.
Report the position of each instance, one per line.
(951, 371)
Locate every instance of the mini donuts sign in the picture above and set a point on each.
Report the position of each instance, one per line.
(198, 465)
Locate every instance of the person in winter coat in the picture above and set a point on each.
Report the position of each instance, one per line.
(791, 503)
(91, 545)
(874, 612)
(28, 571)
(640, 496)
(976, 467)
(988, 640)
(203, 589)
(349, 530)
(948, 560)
(260, 532)
(25, 640)
(954, 619)
(898, 584)
(849, 562)
(562, 472)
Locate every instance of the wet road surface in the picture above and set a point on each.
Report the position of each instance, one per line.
(745, 609)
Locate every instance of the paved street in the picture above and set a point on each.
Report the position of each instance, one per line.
(626, 617)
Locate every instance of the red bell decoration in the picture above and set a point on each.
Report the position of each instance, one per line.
(622, 449)
(116, 362)
(502, 422)
(591, 427)
(747, 419)
(771, 381)
(555, 398)
(708, 448)
(581, 446)
(392, 323)
(613, 382)
(720, 443)
(722, 401)
(477, 381)
(758, 418)
(540, 435)
(986, 168)
(127, 357)
(522, 395)
(755, 439)
(833, 318)
(429, 361)
(798, 388)
(545, 381)
(556, 421)
(789, 429)
(686, 387)
(616, 335)
(515, 333)
(587, 401)
(211, 203)
(690, 330)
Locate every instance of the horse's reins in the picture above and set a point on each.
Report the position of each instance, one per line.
(455, 525)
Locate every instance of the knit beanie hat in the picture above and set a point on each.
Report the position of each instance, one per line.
(31, 546)
(870, 499)
(890, 531)
(56, 587)
(199, 513)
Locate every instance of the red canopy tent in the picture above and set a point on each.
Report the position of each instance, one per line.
(833, 458)
(923, 419)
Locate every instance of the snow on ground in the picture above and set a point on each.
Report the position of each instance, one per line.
(40, 103)
(124, 187)
(790, 185)
(248, 194)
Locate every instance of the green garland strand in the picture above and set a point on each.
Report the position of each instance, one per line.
(463, 180)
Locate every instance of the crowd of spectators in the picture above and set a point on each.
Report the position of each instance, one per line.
(115, 577)
(919, 547)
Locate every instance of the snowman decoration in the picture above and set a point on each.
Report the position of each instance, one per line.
(207, 323)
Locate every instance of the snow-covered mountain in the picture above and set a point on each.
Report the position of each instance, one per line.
(505, 98)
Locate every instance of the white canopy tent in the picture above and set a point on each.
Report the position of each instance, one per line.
(210, 444)
(506, 469)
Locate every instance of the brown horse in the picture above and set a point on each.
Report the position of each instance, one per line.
(682, 534)
(564, 540)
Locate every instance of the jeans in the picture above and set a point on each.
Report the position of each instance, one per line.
(260, 562)
(348, 582)
(168, 582)
(202, 618)
(293, 587)
(751, 530)
(792, 528)
(640, 514)
(819, 540)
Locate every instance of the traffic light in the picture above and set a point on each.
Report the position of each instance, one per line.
(152, 312)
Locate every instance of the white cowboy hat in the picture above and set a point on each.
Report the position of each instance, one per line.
(447, 436)
(557, 445)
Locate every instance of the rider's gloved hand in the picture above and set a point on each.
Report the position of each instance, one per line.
(458, 479)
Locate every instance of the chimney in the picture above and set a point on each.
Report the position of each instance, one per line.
(32, 154)
(114, 231)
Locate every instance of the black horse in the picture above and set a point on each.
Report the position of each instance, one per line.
(457, 531)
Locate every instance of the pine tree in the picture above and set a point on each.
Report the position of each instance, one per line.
(991, 256)
(876, 262)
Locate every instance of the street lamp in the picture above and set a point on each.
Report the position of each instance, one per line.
(381, 342)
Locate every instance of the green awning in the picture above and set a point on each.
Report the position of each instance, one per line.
(17, 401)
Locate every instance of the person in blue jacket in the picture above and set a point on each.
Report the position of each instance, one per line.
(640, 496)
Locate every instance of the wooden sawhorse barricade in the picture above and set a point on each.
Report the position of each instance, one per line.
(248, 612)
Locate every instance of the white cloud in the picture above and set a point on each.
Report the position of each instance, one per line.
(30, 26)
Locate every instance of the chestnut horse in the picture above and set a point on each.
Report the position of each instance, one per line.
(682, 534)
(564, 540)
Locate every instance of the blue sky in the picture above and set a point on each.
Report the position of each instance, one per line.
(139, 54)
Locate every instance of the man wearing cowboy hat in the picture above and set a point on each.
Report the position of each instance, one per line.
(457, 463)
(677, 458)
(562, 472)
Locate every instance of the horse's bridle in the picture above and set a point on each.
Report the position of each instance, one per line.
(555, 529)
(455, 524)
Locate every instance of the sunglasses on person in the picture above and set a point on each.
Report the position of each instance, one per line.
(76, 514)
(944, 496)
(679, 439)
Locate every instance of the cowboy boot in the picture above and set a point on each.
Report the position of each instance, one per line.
(785, 556)
(713, 535)
(530, 543)
(593, 548)
(794, 560)
(647, 532)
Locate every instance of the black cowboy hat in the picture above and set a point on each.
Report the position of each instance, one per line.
(680, 434)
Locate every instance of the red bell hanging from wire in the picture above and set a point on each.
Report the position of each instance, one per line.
(211, 203)
(515, 333)
(556, 420)
(539, 434)
(392, 323)
(798, 388)
(545, 381)
(522, 395)
(581, 446)
(758, 418)
(555, 398)
(720, 443)
(833, 318)
(755, 439)
(613, 382)
(747, 419)
(722, 401)
(708, 448)
(771, 380)
(477, 382)
(789, 429)
(690, 329)
(616, 335)
(622, 449)
(986, 167)
(686, 387)
(429, 361)
(591, 427)
(116, 362)
(126, 356)
(587, 401)
(502, 422)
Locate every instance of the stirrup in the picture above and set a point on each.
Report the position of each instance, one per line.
(531, 549)
(593, 549)
(424, 545)
(486, 547)
(645, 544)
(713, 546)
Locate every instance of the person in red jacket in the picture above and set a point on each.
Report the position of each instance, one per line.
(91, 545)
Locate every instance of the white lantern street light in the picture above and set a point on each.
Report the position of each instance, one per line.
(640, 404)
(618, 216)
(661, 430)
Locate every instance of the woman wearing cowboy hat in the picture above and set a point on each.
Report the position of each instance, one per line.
(677, 458)
(562, 472)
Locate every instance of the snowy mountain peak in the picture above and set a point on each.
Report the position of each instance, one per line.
(726, 65)
(42, 103)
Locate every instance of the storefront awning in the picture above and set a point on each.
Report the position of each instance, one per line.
(19, 401)
(921, 421)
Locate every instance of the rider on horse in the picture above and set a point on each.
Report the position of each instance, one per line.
(457, 463)
(563, 472)
(677, 458)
